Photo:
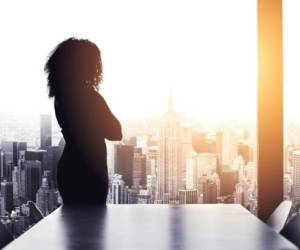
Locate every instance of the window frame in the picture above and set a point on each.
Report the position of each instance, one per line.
(269, 107)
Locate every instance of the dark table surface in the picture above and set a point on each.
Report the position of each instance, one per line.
(218, 226)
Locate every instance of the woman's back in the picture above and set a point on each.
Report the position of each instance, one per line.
(77, 180)
(74, 72)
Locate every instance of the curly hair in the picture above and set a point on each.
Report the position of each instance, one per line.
(73, 63)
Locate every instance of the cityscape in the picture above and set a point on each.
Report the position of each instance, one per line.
(173, 162)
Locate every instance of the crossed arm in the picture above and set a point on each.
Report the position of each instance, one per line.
(89, 121)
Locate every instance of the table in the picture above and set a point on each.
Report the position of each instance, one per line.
(199, 226)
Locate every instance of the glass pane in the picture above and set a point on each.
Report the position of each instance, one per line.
(291, 102)
(180, 76)
(191, 135)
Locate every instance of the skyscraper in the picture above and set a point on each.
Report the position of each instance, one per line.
(124, 162)
(188, 196)
(186, 151)
(169, 164)
(45, 131)
(45, 197)
(229, 178)
(245, 151)
(139, 168)
(117, 190)
(226, 147)
(11, 150)
(33, 174)
(296, 175)
(16, 187)
(38, 155)
(7, 193)
(211, 190)
(191, 173)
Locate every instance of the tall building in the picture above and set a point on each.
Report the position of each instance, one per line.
(1, 164)
(202, 144)
(206, 164)
(7, 193)
(152, 159)
(287, 187)
(22, 180)
(45, 197)
(132, 195)
(117, 190)
(245, 151)
(188, 196)
(191, 178)
(45, 131)
(186, 151)
(16, 185)
(144, 197)
(33, 176)
(229, 178)
(124, 162)
(170, 163)
(2, 207)
(9, 156)
(7, 169)
(226, 147)
(38, 155)
(210, 190)
(139, 168)
(296, 175)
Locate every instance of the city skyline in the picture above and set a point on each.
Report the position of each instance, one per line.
(179, 165)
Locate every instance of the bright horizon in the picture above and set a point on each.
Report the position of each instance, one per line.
(204, 51)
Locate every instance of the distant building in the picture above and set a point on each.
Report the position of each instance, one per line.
(144, 197)
(207, 164)
(117, 190)
(188, 196)
(191, 172)
(33, 177)
(211, 189)
(38, 155)
(226, 147)
(202, 144)
(287, 186)
(7, 193)
(16, 185)
(132, 195)
(124, 162)
(296, 175)
(139, 168)
(245, 151)
(152, 160)
(169, 174)
(229, 178)
(45, 197)
(45, 131)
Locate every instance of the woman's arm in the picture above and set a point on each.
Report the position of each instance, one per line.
(111, 127)
(88, 121)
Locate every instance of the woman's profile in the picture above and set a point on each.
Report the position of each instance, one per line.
(74, 72)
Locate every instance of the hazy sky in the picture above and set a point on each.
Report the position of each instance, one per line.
(205, 51)
(291, 50)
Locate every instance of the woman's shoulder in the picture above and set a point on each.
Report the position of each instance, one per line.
(94, 101)
(96, 96)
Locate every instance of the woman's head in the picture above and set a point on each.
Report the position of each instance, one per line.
(73, 64)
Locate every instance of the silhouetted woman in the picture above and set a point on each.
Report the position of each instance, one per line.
(74, 71)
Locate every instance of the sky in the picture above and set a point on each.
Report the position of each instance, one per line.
(291, 51)
(204, 52)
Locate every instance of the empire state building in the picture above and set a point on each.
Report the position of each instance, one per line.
(169, 170)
